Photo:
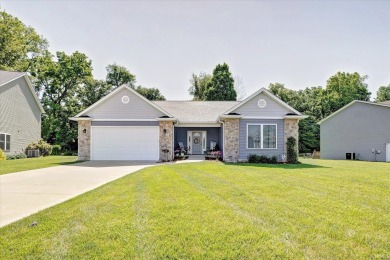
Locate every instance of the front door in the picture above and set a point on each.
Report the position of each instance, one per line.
(388, 152)
(196, 142)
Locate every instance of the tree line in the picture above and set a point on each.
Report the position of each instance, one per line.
(64, 82)
(65, 85)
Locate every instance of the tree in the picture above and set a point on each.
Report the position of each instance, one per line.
(221, 86)
(199, 85)
(383, 94)
(20, 45)
(239, 87)
(150, 93)
(309, 102)
(118, 75)
(59, 82)
(343, 88)
(92, 91)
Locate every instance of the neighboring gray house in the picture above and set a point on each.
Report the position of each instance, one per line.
(125, 126)
(358, 130)
(20, 112)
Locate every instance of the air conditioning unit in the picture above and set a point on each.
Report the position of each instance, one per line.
(32, 153)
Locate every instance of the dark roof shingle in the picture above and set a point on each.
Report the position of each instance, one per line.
(196, 111)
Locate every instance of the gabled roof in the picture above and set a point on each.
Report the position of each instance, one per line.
(269, 94)
(113, 93)
(9, 76)
(196, 111)
(382, 104)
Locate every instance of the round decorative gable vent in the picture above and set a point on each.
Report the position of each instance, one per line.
(261, 103)
(125, 99)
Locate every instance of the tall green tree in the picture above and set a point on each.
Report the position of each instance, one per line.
(221, 86)
(118, 75)
(343, 88)
(308, 102)
(150, 93)
(199, 84)
(59, 81)
(383, 94)
(92, 91)
(20, 45)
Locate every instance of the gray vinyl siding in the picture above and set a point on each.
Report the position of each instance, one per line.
(272, 108)
(20, 115)
(125, 123)
(212, 135)
(113, 108)
(357, 129)
(244, 151)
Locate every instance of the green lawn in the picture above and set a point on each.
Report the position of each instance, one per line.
(320, 209)
(18, 165)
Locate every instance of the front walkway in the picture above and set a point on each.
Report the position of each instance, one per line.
(25, 193)
(192, 158)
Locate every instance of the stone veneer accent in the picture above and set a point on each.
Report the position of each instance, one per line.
(84, 140)
(291, 128)
(231, 133)
(166, 140)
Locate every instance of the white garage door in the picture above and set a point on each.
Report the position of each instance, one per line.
(125, 143)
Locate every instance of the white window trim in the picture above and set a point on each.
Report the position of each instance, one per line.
(261, 134)
(5, 142)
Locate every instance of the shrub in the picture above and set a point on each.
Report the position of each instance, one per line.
(44, 148)
(273, 159)
(56, 149)
(3, 157)
(292, 155)
(17, 156)
(254, 158)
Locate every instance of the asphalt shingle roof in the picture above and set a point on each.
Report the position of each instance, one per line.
(6, 76)
(196, 111)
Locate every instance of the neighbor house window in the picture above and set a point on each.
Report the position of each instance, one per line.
(261, 136)
(5, 142)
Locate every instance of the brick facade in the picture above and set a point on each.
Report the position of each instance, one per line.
(291, 128)
(231, 137)
(84, 140)
(166, 140)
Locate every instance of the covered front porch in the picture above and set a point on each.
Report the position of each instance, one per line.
(198, 140)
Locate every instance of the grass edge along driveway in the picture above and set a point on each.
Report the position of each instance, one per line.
(320, 209)
(10, 166)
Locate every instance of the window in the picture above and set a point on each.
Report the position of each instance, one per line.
(5, 142)
(261, 137)
(269, 136)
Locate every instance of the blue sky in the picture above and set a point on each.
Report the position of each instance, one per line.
(298, 43)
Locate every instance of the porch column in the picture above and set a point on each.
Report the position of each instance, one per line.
(291, 128)
(166, 140)
(84, 140)
(231, 136)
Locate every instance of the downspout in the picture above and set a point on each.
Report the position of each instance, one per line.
(223, 138)
(173, 140)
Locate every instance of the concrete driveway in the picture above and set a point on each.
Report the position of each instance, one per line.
(24, 193)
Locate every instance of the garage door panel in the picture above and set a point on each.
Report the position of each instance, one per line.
(125, 143)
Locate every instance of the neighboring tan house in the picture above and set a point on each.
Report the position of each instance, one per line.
(359, 130)
(20, 112)
(126, 126)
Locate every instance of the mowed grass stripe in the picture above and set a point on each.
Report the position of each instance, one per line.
(321, 209)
